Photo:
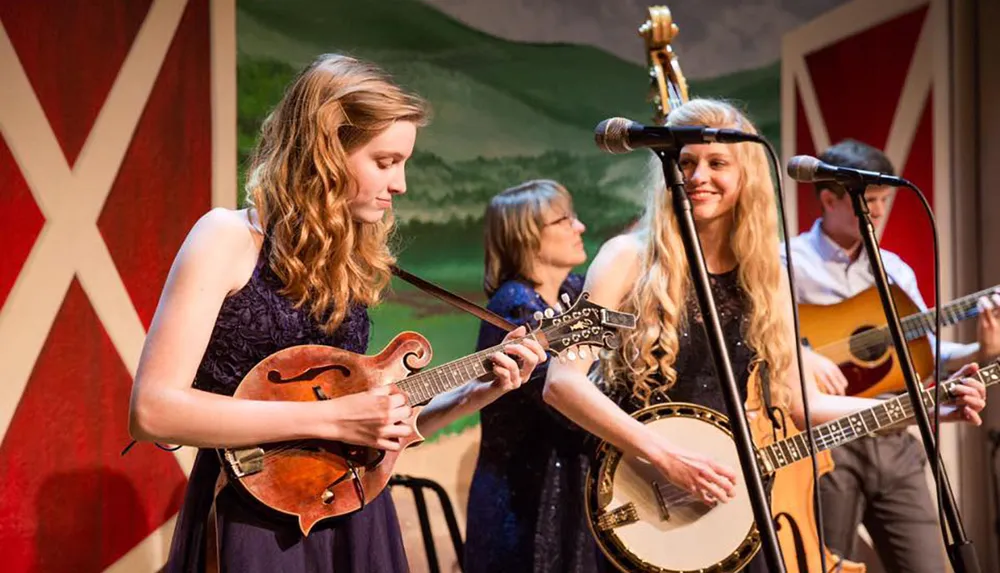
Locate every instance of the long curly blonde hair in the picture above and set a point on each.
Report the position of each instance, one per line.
(300, 185)
(648, 353)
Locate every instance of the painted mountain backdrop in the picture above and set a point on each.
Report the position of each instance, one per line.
(504, 112)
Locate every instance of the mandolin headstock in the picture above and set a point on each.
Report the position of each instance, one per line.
(583, 323)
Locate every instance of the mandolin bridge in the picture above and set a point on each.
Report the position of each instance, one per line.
(245, 461)
(621, 515)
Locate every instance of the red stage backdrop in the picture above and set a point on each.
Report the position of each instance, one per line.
(109, 151)
(876, 72)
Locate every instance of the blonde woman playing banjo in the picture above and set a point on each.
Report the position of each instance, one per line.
(666, 358)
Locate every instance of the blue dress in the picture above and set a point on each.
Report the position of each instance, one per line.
(526, 500)
(253, 323)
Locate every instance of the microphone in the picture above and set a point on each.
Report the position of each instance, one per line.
(620, 135)
(808, 169)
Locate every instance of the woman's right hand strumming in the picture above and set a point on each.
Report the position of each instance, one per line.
(373, 418)
(696, 474)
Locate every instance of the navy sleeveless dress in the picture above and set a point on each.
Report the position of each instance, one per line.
(253, 323)
(526, 501)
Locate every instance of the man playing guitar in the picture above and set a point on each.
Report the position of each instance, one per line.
(878, 480)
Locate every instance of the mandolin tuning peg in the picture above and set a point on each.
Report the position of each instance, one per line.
(549, 313)
(584, 352)
(571, 355)
(538, 315)
(559, 308)
(565, 299)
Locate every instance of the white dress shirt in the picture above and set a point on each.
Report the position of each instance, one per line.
(825, 274)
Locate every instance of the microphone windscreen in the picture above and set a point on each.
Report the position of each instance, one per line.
(611, 135)
(802, 168)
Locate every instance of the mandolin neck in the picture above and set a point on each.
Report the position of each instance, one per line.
(423, 386)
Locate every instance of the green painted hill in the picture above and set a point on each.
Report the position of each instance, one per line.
(491, 97)
(504, 112)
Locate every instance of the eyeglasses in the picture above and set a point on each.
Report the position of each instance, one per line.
(565, 219)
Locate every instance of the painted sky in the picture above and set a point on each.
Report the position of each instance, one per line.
(717, 36)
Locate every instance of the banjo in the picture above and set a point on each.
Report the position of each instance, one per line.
(644, 523)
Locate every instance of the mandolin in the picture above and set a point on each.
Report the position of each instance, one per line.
(853, 334)
(313, 480)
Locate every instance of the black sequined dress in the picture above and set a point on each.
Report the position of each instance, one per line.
(696, 379)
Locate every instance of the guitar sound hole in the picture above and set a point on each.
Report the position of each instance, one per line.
(869, 343)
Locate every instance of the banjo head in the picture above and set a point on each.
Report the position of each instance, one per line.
(642, 522)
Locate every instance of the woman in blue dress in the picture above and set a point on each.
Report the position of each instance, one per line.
(300, 266)
(525, 510)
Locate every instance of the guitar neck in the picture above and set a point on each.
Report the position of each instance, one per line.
(921, 324)
(859, 424)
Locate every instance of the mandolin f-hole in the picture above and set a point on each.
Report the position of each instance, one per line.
(310, 374)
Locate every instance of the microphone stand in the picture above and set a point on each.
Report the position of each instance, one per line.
(717, 347)
(961, 552)
(995, 480)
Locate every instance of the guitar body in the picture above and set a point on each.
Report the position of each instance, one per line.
(871, 368)
(313, 479)
(795, 519)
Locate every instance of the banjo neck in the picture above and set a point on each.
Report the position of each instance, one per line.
(859, 424)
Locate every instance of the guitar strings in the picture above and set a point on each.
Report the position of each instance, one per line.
(874, 337)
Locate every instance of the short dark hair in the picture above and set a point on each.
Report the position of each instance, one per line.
(856, 155)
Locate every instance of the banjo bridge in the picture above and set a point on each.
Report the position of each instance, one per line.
(661, 503)
(621, 515)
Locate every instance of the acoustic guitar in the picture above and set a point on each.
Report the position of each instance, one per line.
(853, 334)
(314, 480)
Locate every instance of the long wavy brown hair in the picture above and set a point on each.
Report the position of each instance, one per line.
(513, 228)
(300, 184)
(648, 353)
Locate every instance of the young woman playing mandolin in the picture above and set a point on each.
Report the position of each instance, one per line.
(667, 356)
(300, 266)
